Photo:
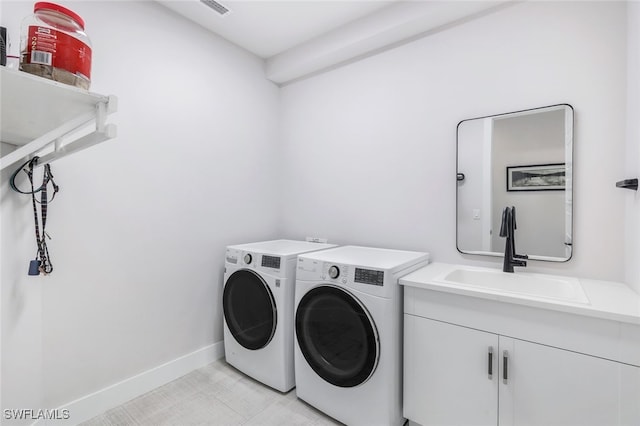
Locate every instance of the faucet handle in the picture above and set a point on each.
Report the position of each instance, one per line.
(515, 262)
(504, 224)
(520, 256)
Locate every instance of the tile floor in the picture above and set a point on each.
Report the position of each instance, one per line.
(217, 394)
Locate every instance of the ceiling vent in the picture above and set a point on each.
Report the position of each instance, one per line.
(222, 10)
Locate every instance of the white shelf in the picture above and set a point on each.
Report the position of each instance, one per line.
(37, 114)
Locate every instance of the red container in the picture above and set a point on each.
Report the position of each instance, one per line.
(53, 45)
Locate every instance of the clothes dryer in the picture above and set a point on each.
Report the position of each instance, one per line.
(257, 303)
(348, 329)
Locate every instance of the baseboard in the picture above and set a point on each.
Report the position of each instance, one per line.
(94, 404)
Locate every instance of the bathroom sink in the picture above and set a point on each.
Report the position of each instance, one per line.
(567, 289)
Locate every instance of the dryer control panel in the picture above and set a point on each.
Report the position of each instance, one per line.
(311, 269)
(371, 280)
(270, 261)
(335, 272)
(344, 273)
(369, 276)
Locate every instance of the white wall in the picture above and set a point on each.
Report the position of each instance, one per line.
(21, 378)
(370, 147)
(141, 222)
(632, 166)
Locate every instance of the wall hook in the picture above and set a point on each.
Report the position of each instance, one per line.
(628, 184)
(460, 177)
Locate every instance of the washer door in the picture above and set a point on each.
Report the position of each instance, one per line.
(249, 309)
(337, 336)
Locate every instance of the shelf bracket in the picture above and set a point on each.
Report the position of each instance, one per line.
(109, 132)
(103, 109)
(46, 139)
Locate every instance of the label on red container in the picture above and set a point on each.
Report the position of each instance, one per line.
(47, 46)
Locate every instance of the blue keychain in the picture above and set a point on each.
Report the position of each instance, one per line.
(34, 267)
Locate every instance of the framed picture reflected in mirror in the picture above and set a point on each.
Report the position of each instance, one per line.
(538, 177)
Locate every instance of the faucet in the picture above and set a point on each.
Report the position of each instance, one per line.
(507, 229)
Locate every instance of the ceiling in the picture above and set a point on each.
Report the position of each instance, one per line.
(298, 38)
(268, 28)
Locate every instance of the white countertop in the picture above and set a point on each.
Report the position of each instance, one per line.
(608, 300)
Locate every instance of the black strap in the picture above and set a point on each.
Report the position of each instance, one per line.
(28, 167)
(46, 266)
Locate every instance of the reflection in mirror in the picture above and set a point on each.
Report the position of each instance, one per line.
(521, 159)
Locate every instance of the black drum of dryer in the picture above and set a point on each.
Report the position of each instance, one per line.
(337, 336)
(249, 309)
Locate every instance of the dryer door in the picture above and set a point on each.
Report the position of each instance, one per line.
(337, 336)
(249, 309)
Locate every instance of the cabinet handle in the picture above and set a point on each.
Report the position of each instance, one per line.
(505, 367)
(490, 365)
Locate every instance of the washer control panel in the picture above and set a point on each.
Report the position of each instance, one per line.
(231, 257)
(257, 261)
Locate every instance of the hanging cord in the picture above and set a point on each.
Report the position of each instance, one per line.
(44, 261)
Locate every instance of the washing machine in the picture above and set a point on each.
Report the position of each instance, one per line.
(257, 302)
(348, 330)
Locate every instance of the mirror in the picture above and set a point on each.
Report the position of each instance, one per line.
(521, 159)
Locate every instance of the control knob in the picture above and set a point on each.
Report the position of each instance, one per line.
(247, 258)
(334, 272)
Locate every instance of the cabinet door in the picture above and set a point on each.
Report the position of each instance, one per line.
(548, 386)
(630, 395)
(446, 374)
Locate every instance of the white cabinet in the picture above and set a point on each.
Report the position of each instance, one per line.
(446, 380)
(630, 391)
(549, 386)
(455, 375)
